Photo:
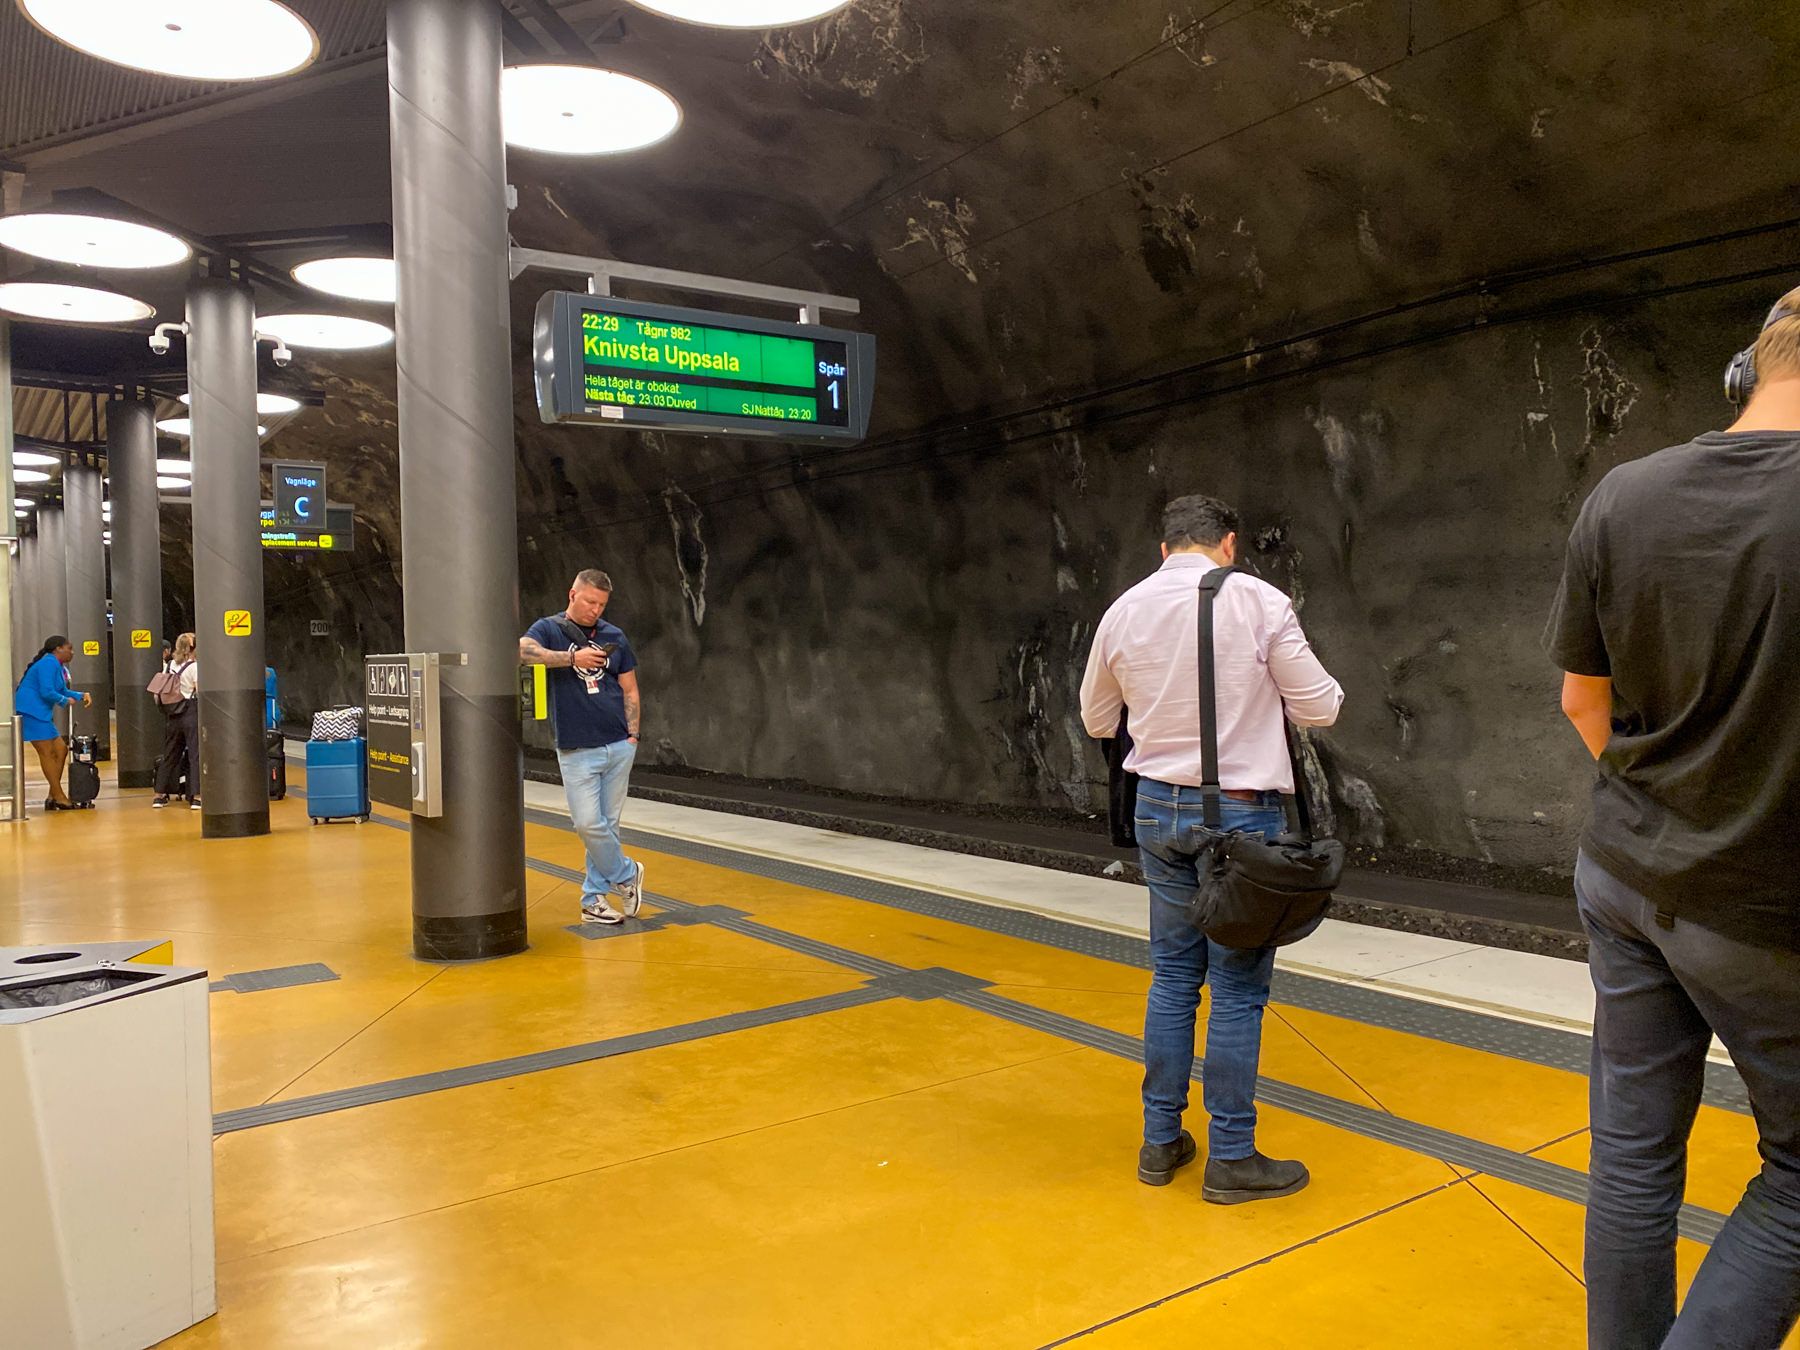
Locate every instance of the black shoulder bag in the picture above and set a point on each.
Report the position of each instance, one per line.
(1254, 891)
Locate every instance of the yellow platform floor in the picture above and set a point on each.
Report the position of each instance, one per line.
(771, 1134)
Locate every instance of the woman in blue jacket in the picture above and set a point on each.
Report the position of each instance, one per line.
(42, 693)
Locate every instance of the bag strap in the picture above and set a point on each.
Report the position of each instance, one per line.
(572, 631)
(1209, 698)
(1210, 586)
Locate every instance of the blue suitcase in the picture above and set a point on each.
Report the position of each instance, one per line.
(337, 780)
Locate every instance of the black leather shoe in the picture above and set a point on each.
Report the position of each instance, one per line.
(1158, 1163)
(1252, 1178)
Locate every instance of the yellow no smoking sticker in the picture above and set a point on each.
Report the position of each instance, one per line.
(140, 637)
(90, 648)
(237, 623)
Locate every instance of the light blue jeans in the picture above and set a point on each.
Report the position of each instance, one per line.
(595, 782)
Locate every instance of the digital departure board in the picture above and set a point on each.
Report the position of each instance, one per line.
(658, 367)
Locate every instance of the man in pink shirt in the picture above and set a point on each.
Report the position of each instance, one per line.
(1145, 657)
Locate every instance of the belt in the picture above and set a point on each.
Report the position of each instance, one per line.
(1240, 794)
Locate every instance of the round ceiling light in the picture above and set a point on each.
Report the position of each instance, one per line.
(21, 514)
(23, 501)
(581, 110)
(267, 405)
(329, 332)
(30, 476)
(175, 466)
(33, 459)
(70, 304)
(184, 426)
(195, 39)
(172, 482)
(91, 241)
(352, 278)
(743, 13)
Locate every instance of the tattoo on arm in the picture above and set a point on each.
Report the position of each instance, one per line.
(531, 654)
(633, 713)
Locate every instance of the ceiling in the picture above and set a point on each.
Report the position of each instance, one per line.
(1034, 198)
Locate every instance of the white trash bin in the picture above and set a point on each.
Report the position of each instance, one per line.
(106, 1242)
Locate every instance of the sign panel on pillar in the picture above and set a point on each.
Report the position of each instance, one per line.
(299, 496)
(405, 745)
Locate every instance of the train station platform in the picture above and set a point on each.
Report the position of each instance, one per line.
(830, 1090)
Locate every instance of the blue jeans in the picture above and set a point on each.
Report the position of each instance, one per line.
(1661, 995)
(1170, 839)
(595, 782)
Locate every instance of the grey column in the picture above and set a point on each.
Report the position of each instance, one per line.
(12, 597)
(53, 581)
(227, 492)
(85, 562)
(458, 513)
(27, 596)
(136, 586)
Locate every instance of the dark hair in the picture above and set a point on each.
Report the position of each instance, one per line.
(593, 576)
(51, 643)
(1197, 521)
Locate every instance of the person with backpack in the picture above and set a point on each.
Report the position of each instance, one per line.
(177, 694)
(595, 712)
(43, 691)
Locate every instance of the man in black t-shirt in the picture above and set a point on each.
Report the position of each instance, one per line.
(595, 712)
(1678, 627)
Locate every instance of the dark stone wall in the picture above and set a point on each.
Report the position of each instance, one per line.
(1400, 279)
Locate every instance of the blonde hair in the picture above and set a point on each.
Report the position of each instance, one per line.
(1778, 349)
(184, 647)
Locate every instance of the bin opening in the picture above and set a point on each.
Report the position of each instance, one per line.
(70, 989)
(43, 958)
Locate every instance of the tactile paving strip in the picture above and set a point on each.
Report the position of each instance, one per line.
(343, 1099)
(279, 977)
(1548, 1046)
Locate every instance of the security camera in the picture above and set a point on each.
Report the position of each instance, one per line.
(159, 340)
(281, 355)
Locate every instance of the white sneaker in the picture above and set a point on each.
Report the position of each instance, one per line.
(194, 805)
(632, 892)
(600, 912)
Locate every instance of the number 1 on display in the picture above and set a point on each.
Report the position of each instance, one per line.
(834, 396)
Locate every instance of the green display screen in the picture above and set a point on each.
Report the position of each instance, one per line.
(632, 361)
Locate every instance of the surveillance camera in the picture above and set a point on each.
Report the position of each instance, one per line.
(159, 344)
(281, 355)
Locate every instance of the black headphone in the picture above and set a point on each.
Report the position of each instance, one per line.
(1740, 375)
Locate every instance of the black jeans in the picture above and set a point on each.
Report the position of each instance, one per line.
(1661, 995)
(181, 746)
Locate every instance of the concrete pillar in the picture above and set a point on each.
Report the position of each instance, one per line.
(85, 562)
(136, 586)
(228, 588)
(53, 581)
(458, 515)
(28, 586)
(12, 596)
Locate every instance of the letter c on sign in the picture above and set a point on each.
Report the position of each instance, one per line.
(303, 507)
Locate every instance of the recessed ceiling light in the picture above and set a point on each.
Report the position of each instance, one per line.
(267, 405)
(195, 39)
(184, 426)
(106, 536)
(70, 304)
(25, 502)
(352, 278)
(170, 481)
(21, 514)
(33, 459)
(581, 110)
(329, 332)
(30, 476)
(91, 241)
(743, 13)
(175, 466)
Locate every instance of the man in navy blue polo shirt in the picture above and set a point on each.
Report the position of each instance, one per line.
(594, 708)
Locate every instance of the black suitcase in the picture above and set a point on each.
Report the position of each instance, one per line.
(277, 748)
(84, 772)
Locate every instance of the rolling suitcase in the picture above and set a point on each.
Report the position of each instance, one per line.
(277, 748)
(84, 772)
(337, 780)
